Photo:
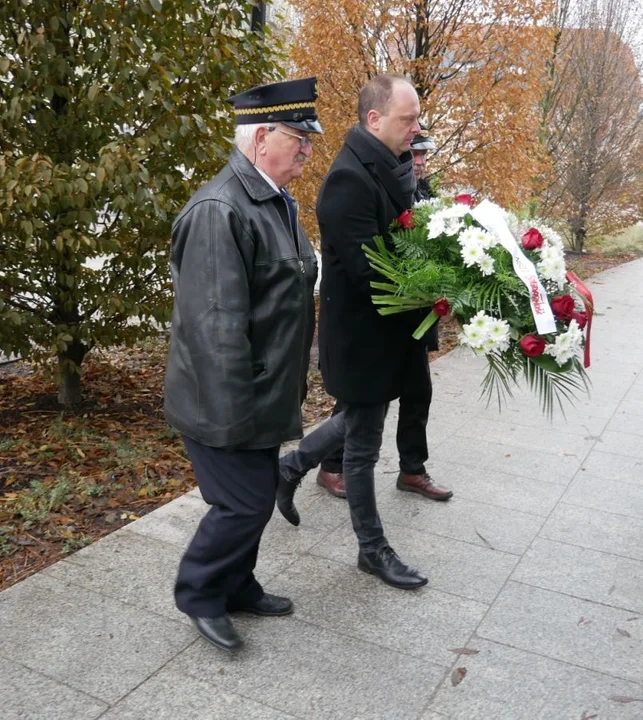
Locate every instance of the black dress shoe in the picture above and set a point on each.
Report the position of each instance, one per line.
(269, 606)
(390, 569)
(219, 631)
(285, 494)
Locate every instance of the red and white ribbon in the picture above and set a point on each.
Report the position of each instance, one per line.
(588, 301)
(491, 217)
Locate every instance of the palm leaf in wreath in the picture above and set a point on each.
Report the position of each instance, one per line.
(501, 377)
(553, 383)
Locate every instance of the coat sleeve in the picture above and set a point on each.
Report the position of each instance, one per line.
(347, 216)
(213, 296)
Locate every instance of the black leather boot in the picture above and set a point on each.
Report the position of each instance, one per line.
(285, 495)
(390, 569)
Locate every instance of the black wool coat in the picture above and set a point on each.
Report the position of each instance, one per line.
(364, 357)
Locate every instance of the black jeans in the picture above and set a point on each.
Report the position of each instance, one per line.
(362, 442)
(411, 435)
(359, 429)
(216, 572)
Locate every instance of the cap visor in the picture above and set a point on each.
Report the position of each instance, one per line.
(425, 145)
(311, 126)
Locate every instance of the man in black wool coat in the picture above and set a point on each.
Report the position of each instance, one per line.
(366, 359)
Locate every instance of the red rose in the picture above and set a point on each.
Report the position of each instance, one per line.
(563, 307)
(532, 239)
(464, 199)
(581, 319)
(406, 220)
(441, 307)
(532, 345)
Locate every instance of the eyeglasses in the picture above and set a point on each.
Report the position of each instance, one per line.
(304, 140)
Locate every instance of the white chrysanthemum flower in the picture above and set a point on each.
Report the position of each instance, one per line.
(478, 236)
(422, 203)
(485, 334)
(458, 210)
(447, 220)
(480, 320)
(471, 254)
(551, 237)
(453, 226)
(498, 329)
(436, 226)
(549, 252)
(553, 269)
(485, 264)
(498, 335)
(492, 345)
(566, 345)
(473, 337)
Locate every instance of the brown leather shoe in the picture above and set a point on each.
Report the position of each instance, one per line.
(423, 485)
(333, 482)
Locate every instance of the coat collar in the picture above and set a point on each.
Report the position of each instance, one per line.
(375, 162)
(254, 184)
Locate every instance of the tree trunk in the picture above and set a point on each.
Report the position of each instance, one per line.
(579, 228)
(69, 374)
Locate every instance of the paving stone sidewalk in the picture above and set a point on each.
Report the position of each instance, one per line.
(536, 580)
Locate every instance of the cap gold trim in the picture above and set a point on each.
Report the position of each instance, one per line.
(274, 108)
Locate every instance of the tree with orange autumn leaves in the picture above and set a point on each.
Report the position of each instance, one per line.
(483, 70)
(478, 67)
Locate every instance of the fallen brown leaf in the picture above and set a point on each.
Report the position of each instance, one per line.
(625, 699)
(457, 676)
(464, 651)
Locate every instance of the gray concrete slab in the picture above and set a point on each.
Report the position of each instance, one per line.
(535, 568)
(173, 523)
(29, 695)
(594, 491)
(608, 640)
(517, 432)
(126, 566)
(510, 459)
(614, 467)
(92, 643)
(621, 443)
(313, 673)
(487, 525)
(173, 695)
(424, 623)
(471, 571)
(596, 530)
(508, 684)
(588, 574)
(626, 422)
(492, 487)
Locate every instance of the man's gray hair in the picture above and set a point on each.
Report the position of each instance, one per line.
(244, 135)
(376, 95)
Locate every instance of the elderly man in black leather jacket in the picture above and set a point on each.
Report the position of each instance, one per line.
(243, 272)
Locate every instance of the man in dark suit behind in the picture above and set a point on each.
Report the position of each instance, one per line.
(366, 359)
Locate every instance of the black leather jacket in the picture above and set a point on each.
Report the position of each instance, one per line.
(243, 317)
